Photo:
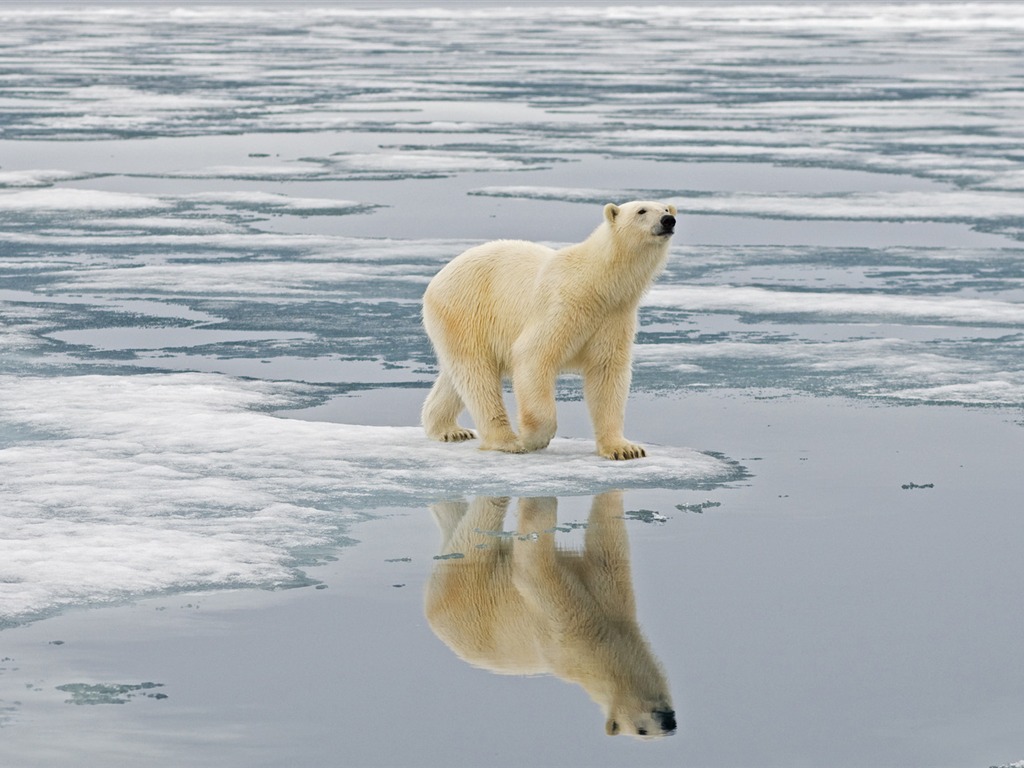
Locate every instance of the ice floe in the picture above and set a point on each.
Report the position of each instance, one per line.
(763, 301)
(71, 199)
(120, 486)
(171, 201)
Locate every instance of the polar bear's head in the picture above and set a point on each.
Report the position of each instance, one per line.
(642, 217)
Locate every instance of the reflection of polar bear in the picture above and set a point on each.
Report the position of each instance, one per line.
(518, 605)
(512, 308)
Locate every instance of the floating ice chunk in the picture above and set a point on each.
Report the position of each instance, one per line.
(131, 485)
(59, 199)
(699, 507)
(289, 172)
(269, 200)
(40, 178)
(954, 205)
(150, 225)
(254, 280)
(120, 338)
(415, 162)
(567, 194)
(989, 392)
(649, 516)
(890, 368)
(116, 693)
(742, 299)
(95, 200)
(20, 322)
(1009, 181)
(117, 100)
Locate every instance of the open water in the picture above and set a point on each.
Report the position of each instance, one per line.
(216, 224)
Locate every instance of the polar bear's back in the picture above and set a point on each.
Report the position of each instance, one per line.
(485, 294)
(500, 265)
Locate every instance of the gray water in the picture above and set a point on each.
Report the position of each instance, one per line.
(215, 228)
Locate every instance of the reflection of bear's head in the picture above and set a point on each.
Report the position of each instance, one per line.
(637, 718)
(517, 604)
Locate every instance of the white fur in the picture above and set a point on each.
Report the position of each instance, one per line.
(520, 606)
(515, 309)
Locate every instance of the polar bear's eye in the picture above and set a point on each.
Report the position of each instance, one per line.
(641, 212)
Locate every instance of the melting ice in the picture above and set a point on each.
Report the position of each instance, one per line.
(196, 235)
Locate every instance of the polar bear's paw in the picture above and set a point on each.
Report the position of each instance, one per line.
(621, 450)
(506, 445)
(456, 435)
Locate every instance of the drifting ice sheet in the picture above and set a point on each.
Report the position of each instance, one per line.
(127, 485)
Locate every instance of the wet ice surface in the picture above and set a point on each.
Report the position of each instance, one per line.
(211, 258)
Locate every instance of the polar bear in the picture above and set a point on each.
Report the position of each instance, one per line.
(515, 309)
(517, 605)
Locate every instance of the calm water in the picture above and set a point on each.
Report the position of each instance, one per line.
(215, 228)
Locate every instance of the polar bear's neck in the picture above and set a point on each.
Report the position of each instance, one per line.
(622, 663)
(633, 259)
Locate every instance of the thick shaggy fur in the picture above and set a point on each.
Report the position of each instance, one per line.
(518, 605)
(522, 310)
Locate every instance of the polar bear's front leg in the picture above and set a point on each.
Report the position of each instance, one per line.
(534, 387)
(605, 388)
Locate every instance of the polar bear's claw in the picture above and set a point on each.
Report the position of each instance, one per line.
(623, 452)
(457, 436)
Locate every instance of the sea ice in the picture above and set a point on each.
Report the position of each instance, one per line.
(128, 485)
(169, 201)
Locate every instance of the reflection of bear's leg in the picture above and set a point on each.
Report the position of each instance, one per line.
(606, 550)
(470, 528)
(479, 384)
(481, 532)
(537, 574)
(538, 515)
(466, 596)
(440, 411)
(448, 515)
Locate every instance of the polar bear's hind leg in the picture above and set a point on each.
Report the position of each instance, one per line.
(479, 384)
(440, 411)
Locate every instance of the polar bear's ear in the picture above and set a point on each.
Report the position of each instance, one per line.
(672, 210)
(610, 212)
(611, 727)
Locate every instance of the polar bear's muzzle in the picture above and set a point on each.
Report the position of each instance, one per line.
(667, 225)
(666, 719)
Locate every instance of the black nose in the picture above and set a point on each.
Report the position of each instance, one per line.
(666, 718)
(668, 222)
